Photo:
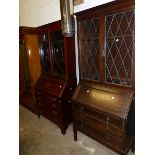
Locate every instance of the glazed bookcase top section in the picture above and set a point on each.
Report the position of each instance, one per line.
(106, 44)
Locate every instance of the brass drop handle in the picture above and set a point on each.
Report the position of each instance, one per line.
(53, 99)
(88, 91)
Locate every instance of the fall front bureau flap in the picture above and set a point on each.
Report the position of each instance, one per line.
(52, 86)
(111, 100)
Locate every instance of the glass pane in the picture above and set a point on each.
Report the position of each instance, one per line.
(45, 53)
(57, 43)
(89, 49)
(119, 47)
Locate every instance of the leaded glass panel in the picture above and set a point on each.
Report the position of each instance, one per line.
(89, 49)
(119, 47)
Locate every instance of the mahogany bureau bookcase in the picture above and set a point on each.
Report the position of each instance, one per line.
(58, 78)
(103, 102)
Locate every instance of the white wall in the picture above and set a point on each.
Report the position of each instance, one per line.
(35, 13)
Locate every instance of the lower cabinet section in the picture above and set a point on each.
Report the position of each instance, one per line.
(94, 116)
(54, 109)
(53, 101)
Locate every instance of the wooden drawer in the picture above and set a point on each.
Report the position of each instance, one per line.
(100, 136)
(98, 124)
(99, 115)
(54, 102)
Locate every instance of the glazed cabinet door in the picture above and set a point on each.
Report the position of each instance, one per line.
(45, 52)
(58, 55)
(119, 48)
(88, 33)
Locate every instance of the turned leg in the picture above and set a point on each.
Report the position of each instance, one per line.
(75, 134)
(38, 115)
(63, 131)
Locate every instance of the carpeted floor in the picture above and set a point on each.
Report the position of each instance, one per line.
(38, 136)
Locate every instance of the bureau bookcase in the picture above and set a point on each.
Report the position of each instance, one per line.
(58, 79)
(103, 102)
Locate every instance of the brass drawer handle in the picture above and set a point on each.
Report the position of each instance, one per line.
(54, 112)
(88, 91)
(53, 99)
(59, 101)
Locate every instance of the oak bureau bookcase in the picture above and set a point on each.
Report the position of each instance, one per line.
(103, 102)
(58, 78)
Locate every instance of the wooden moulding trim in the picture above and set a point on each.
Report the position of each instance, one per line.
(105, 7)
(25, 29)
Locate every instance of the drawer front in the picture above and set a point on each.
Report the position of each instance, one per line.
(99, 116)
(49, 106)
(55, 108)
(98, 135)
(99, 125)
(55, 103)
